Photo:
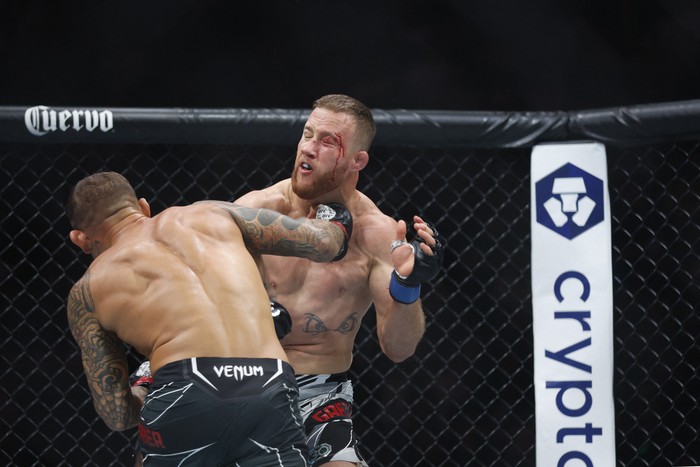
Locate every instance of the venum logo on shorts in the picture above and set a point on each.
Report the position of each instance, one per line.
(41, 120)
(569, 201)
(238, 372)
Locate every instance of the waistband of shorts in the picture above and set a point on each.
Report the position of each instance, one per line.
(191, 366)
(313, 380)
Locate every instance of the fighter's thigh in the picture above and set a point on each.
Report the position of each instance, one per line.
(333, 442)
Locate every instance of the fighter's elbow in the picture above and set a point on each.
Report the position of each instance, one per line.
(399, 345)
(398, 355)
(119, 423)
(116, 425)
(398, 358)
(326, 250)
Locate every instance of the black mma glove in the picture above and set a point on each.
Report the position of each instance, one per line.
(338, 215)
(406, 289)
(142, 376)
(282, 319)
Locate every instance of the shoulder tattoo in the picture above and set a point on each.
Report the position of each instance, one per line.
(80, 304)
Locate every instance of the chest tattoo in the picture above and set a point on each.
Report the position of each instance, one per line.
(315, 325)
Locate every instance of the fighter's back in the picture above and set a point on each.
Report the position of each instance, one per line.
(187, 265)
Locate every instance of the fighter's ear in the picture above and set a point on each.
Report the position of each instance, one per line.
(145, 207)
(81, 240)
(361, 160)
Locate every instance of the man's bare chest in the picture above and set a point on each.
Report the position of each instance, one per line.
(294, 276)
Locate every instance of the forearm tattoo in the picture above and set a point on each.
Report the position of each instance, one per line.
(269, 232)
(104, 360)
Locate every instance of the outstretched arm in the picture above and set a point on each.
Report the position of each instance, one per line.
(269, 232)
(104, 361)
(395, 280)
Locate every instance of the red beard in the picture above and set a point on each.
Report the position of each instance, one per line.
(313, 187)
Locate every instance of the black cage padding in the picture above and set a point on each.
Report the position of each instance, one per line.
(624, 126)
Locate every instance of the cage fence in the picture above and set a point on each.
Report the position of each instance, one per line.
(466, 397)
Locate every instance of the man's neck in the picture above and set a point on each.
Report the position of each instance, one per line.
(114, 226)
(345, 195)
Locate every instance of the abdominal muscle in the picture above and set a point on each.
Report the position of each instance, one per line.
(317, 359)
(327, 302)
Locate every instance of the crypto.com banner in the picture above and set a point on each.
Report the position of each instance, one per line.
(572, 305)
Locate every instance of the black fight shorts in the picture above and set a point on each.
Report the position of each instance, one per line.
(223, 411)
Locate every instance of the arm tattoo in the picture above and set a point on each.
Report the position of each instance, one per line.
(104, 360)
(269, 232)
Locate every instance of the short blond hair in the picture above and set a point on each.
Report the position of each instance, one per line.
(362, 115)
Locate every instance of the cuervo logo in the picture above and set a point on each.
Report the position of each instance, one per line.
(41, 120)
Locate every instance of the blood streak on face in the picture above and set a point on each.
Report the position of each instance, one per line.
(341, 153)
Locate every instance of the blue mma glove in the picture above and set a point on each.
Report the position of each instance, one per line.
(406, 289)
(426, 267)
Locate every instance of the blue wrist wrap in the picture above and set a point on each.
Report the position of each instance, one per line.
(401, 293)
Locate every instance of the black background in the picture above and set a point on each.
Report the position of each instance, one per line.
(451, 55)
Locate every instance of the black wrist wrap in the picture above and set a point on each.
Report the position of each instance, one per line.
(426, 266)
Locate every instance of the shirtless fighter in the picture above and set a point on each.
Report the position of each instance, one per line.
(183, 289)
(327, 301)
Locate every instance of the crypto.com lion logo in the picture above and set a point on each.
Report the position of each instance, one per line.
(569, 201)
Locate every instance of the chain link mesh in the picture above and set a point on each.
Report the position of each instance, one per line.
(467, 396)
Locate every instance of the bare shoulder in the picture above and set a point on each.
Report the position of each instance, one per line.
(80, 292)
(273, 197)
(80, 304)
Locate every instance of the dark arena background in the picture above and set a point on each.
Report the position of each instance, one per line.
(467, 396)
